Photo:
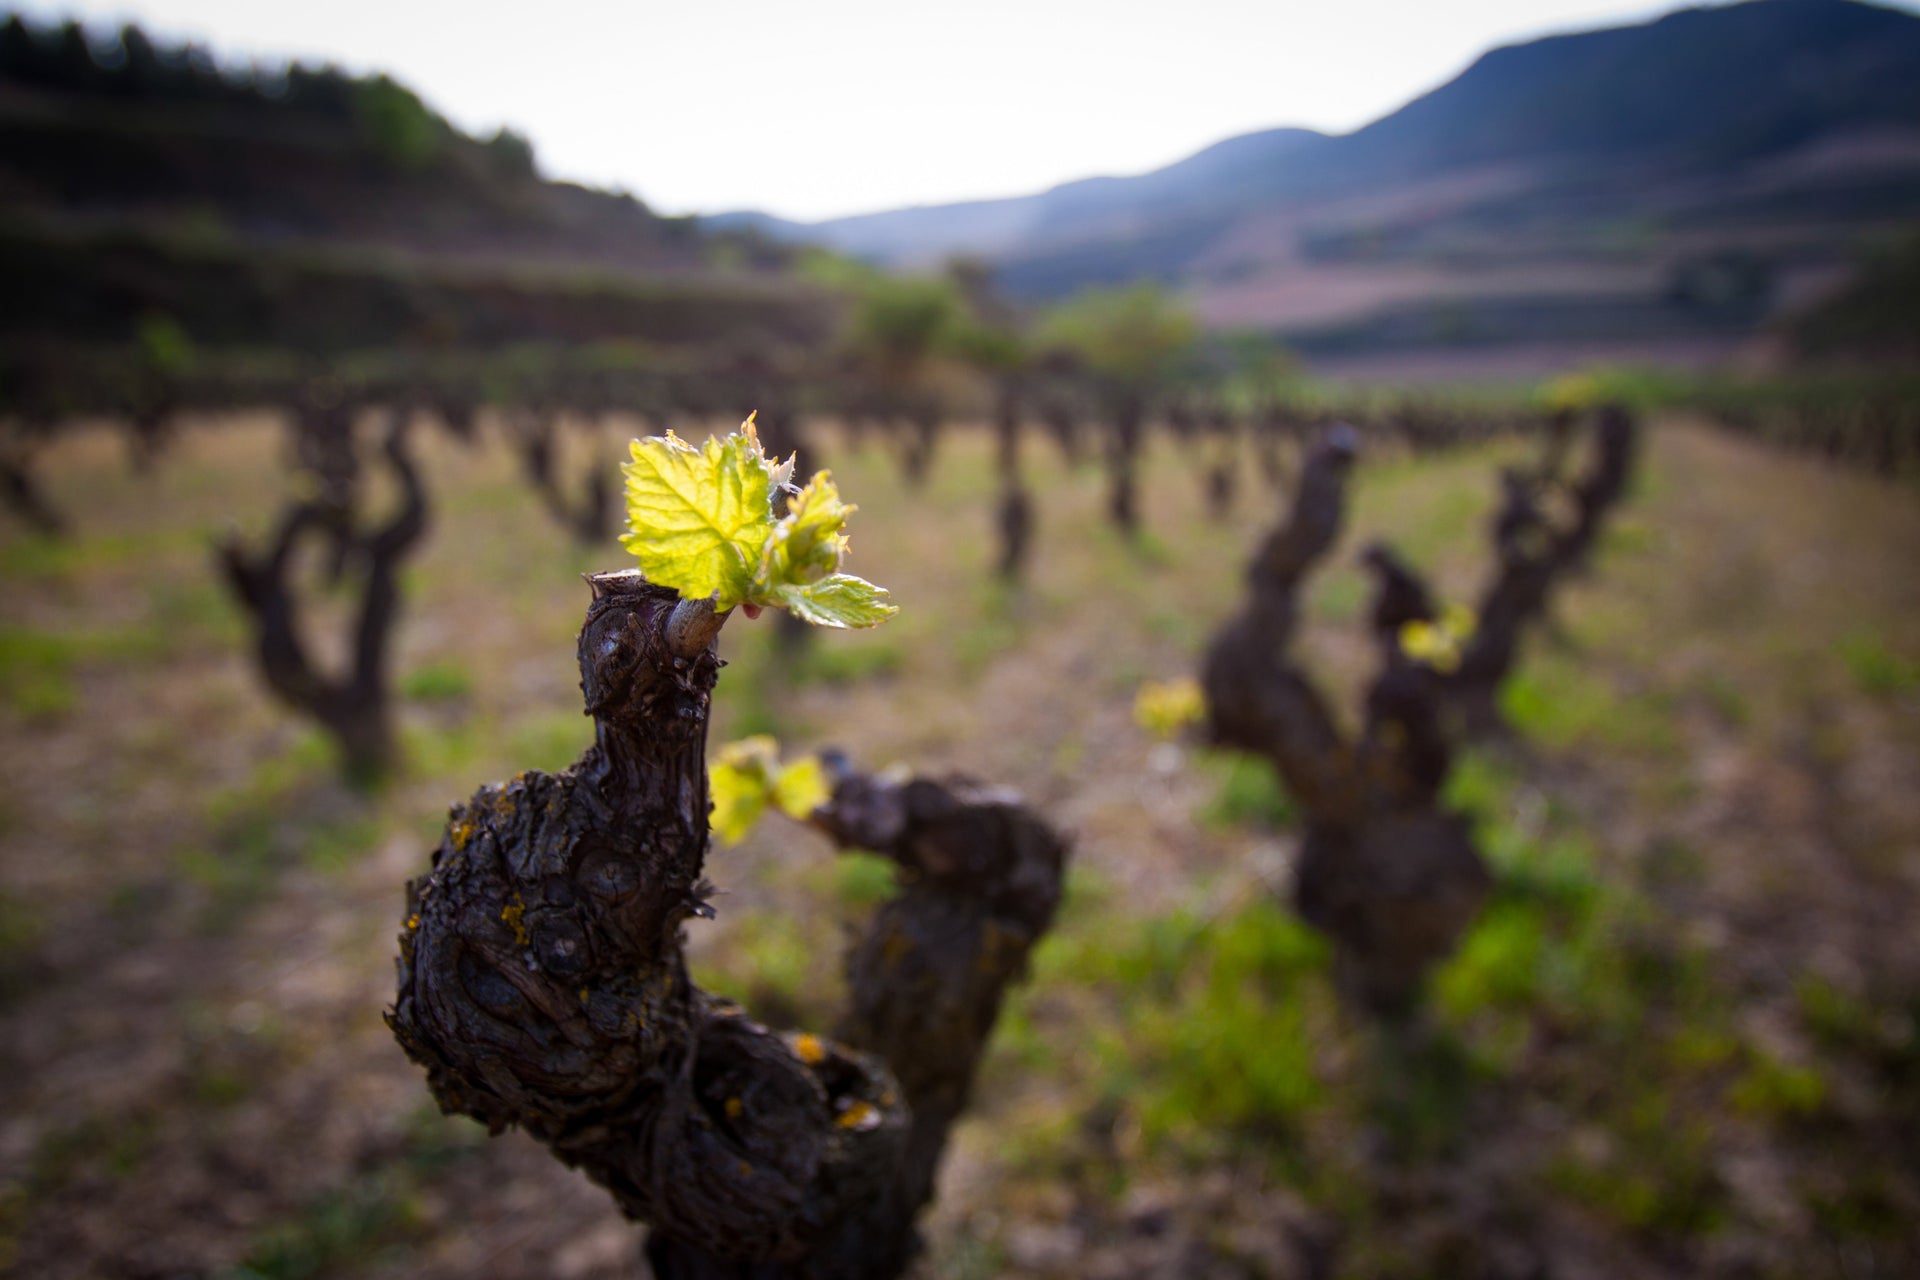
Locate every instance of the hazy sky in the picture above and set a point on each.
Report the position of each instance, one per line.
(813, 108)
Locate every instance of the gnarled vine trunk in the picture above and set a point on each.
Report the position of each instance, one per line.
(353, 706)
(1531, 554)
(542, 980)
(1391, 877)
(20, 489)
(1129, 414)
(1014, 513)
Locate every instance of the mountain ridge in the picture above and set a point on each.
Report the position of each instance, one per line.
(1844, 65)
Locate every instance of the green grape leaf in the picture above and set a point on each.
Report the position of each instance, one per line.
(806, 544)
(837, 600)
(699, 519)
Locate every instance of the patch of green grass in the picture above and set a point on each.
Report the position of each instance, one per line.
(368, 1222)
(257, 829)
(113, 1146)
(1837, 1018)
(1179, 626)
(37, 667)
(836, 660)
(1249, 793)
(1426, 504)
(445, 752)
(1087, 890)
(1772, 1089)
(1557, 942)
(36, 673)
(773, 963)
(1207, 1042)
(1656, 1177)
(1500, 964)
(1626, 535)
(67, 559)
(1145, 547)
(365, 1223)
(1557, 702)
(36, 556)
(1337, 596)
(1229, 1049)
(1481, 784)
(977, 642)
(1575, 965)
(334, 846)
(1876, 670)
(550, 742)
(444, 681)
(217, 1085)
(1555, 870)
(863, 879)
(973, 1257)
(196, 611)
(1727, 699)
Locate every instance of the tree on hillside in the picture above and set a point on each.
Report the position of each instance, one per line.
(1133, 343)
(991, 341)
(900, 326)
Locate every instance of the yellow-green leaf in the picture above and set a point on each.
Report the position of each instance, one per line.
(837, 600)
(701, 522)
(801, 788)
(699, 519)
(1430, 643)
(806, 544)
(747, 777)
(739, 798)
(1165, 708)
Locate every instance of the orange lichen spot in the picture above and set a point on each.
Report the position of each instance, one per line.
(583, 995)
(512, 913)
(413, 922)
(746, 1170)
(461, 830)
(854, 1117)
(734, 1108)
(807, 1047)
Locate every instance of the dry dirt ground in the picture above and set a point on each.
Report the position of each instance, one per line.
(1693, 1051)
